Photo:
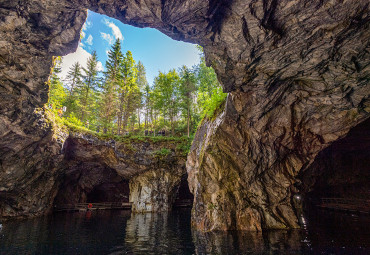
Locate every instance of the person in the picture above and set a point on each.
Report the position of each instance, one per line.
(87, 124)
(60, 112)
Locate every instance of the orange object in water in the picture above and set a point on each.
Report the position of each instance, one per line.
(89, 206)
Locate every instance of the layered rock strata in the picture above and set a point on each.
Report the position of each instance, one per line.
(90, 169)
(297, 73)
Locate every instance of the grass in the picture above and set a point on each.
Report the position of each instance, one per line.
(162, 152)
(63, 125)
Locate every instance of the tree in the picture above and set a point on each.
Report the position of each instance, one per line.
(74, 82)
(111, 85)
(147, 104)
(128, 91)
(89, 85)
(210, 93)
(141, 83)
(166, 95)
(186, 89)
(57, 93)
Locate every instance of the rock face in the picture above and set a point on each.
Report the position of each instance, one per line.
(297, 73)
(89, 169)
(154, 191)
(121, 171)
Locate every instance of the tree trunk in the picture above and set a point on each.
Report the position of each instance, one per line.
(188, 121)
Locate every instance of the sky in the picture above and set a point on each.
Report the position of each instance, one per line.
(154, 49)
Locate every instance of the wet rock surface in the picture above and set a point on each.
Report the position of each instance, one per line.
(297, 73)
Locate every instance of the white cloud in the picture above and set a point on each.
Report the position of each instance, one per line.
(117, 34)
(116, 31)
(80, 56)
(100, 66)
(89, 40)
(86, 25)
(109, 38)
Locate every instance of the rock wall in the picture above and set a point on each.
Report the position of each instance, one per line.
(120, 171)
(298, 86)
(297, 73)
(154, 191)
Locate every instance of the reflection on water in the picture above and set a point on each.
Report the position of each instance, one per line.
(119, 232)
(245, 242)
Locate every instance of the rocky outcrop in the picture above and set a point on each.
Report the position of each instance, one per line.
(91, 169)
(298, 86)
(29, 165)
(297, 73)
(154, 191)
(145, 171)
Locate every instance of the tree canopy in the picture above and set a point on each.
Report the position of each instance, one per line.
(120, 101)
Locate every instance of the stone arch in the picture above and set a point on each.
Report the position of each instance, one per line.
(297, 73)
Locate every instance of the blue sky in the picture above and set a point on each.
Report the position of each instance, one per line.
(155, 50)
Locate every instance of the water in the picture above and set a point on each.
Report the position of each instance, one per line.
(119, 232)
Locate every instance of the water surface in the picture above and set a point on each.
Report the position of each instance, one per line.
(119, 232)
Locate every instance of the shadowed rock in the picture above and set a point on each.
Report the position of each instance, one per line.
(297, 73)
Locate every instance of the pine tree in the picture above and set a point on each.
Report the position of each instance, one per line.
(57, 93)
(89, 85)
(74, 82)
(111, 85)
(128, 91)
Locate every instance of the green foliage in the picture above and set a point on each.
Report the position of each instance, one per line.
(57, 92)
(72, 118)
(163, 152)
(120, 100)
(210, 94)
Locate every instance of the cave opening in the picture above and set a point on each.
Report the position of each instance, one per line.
(339, 177)
(184, 198)
(91, 182)
(109, 192)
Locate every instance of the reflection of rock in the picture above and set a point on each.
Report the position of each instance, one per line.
(149, 233)
(154, 191)
(242, 242)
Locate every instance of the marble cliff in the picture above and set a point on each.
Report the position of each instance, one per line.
(297, 73)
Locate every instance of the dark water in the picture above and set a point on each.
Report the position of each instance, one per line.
(119, 232)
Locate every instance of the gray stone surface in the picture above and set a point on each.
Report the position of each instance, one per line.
(297, 73)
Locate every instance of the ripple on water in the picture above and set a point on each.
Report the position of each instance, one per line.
(119, 232)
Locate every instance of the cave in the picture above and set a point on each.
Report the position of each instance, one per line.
(90, 182)
(341, 170)
(110, 192)
(297, 77)
(184, 198)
